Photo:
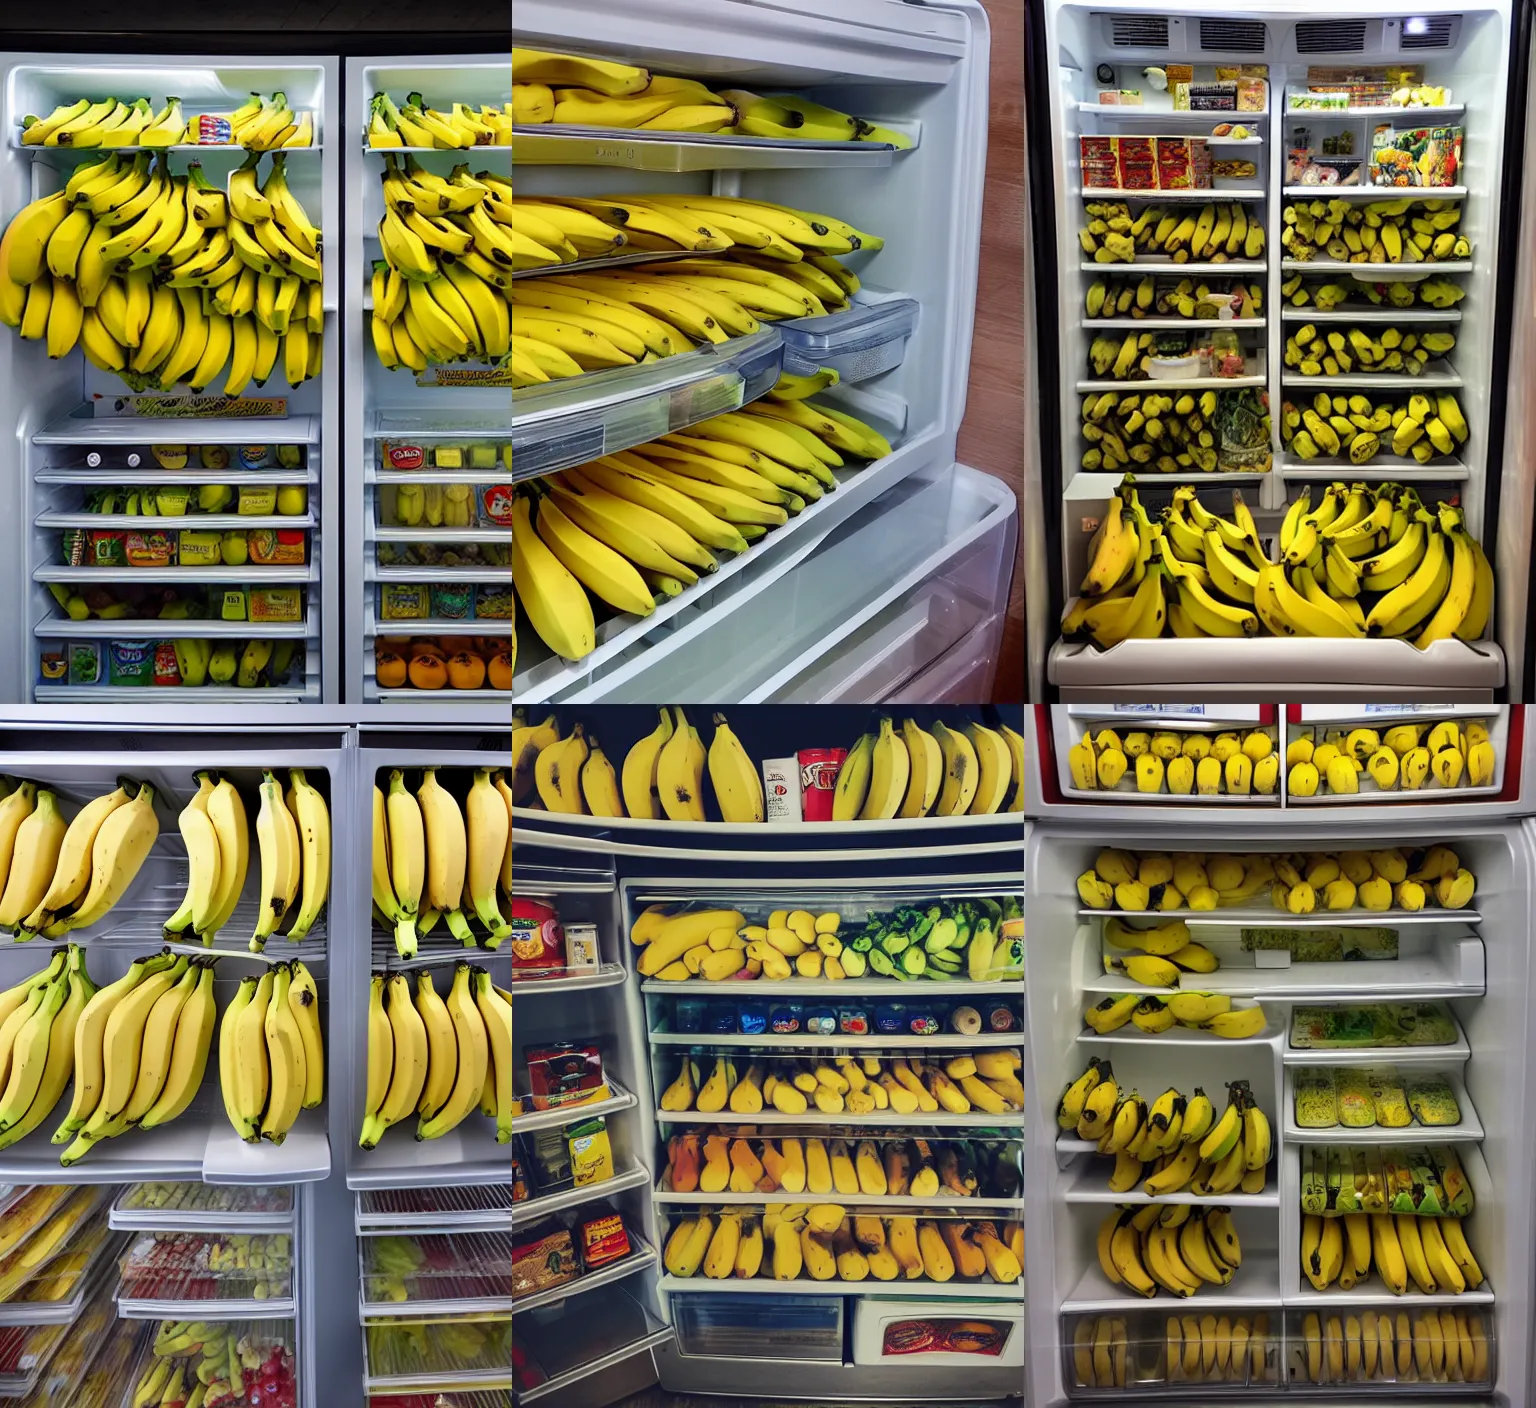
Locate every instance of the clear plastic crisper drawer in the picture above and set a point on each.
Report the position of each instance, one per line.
(1413, 1349)
(737, 1326)
(55, 1297)
(870, 338)
(89, 1370)
(202, 1207)
(239, 1274)
(438, 1356)
(562, 423)
(1120, 1355)
(467, 1272)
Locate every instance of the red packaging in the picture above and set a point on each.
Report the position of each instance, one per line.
(404, 456)
(819, 768)
(538, 941)
(563, 1073)
(603, 1239)
(984, 1338)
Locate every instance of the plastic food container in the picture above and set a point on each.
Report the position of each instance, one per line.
(406, 1272)
(905, 1331)
(760, 1327)
(868, 339)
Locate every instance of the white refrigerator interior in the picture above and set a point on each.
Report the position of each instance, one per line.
(1095, 50)
(1473, 961)
(73, 436)
(893, 586)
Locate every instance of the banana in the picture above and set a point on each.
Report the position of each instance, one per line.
(73, 870)
(312, 821)
(497, 1015)
(39, 839)
(737, 783)
(202, 843)
(961, 772)
(158, 1045)
(226, 811)
(277, 837)
(381, 1056)
(473, 1053)
(446, 841)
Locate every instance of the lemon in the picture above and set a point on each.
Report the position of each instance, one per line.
(292, 499)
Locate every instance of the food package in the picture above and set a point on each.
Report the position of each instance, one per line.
(543, 1256)
(564, 1073)
(1415, 156)
(538, 942)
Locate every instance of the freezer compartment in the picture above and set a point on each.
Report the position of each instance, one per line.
(1113, 1356)
(1125, 738)
(943, 533)
(898, 1332)
(722, 1324)
(199, 1207)
(1403, 1350)
(910, 1171)
(557, 1346)
(456, 1274)
(864, 342)
(1400, 733)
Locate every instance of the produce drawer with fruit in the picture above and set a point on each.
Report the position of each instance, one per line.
(1337, 1167)
(175, 270)
(1209, 755)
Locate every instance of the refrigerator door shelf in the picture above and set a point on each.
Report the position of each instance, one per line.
(1256, 668)
(563, 423)
(1467, 1129)
(950, 530)
(606, 975)
(641, 1258)
(472, 1208)
(570, 145)
(533, 1209)
(564, 1342)
(635, 643)
(865, 341)
(1369, 313)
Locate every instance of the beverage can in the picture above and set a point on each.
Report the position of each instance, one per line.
(819, 768)
(781, 789)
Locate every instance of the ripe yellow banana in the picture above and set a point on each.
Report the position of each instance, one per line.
(277, 836)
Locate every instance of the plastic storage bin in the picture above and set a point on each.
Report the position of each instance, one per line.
(870, 338)
(903, 1331)
(1117, 1355)
(1447, 1347)
(468, 1272)
(760, 1327)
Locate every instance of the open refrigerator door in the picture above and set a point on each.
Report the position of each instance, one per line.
(1352, 1101)
(885, 566)
(173, 506)
(1280, 239)
(815, 1028)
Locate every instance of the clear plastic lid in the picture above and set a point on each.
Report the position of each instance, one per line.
(867, 339)
(562, 423)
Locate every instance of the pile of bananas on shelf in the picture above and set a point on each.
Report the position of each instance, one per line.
(943, 940)
(1149, 297)
(1216, 232)
(1211, 765)
(823, 1241)
(1404, 230)
(1194, 1349)
(1294, 883)
(798, 246)
(983, 1080)
(164, 279)
(1356, 426)
(223, 1360)
(1182, 1140)
(1428, 1346)
(1425, 293)
(271, 1062)
(1330, 350)
(1175, 1248)
(418, 124)
(1199, 1011)
(440, 292)
(1406, 757)
(1432, 1252)
(1167, 431)
(258, 124)
(439, 1059)
(1368, 561)
(970, 771)
(633, 529)
(435, 860)
(60, 875)
(704, 1161)
(1155, 957)
(583, 92)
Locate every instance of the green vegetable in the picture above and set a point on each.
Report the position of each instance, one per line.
(914, 960)
(881, 963)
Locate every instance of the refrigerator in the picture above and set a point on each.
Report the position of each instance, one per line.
(894, 586)
(1094, 71)
(79, 430)
(820, 1340)
(1467, 963)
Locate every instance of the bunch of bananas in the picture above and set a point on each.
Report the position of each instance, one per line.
(973, 770)
(1177, 1249)
(1164, 298)
(1216, 232)
(983, 1080)
(1426, 293)
(293, 836)
(1366, 562)
(585, 92)
(439, 293)
(1333, 426)
(448, 505)
(1181, 763)
(271, 1061)
(440, 1060)
(1195, 1349)
(249, 665)
(217, 1360)
(431, 857)
(1199, 1011)
(1405, 757)
(1315, 351)
(1432, 1251)
(1165, 431)
(163, 279)
(257, 125)
(707, 1161)
(1156, 957)
(825, 1242)
(1428, 1347)
(1404, 230)
(1296, 883)
(636, 527)
(419, 125)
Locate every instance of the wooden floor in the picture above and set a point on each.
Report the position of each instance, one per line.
(992, 434)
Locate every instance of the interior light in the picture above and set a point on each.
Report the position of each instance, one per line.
(1416, 26)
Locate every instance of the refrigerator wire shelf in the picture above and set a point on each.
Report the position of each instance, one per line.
(451, 1208)
(212, 1208)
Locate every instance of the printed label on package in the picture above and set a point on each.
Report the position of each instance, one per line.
(198, 407)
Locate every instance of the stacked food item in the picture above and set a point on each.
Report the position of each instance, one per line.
(1107, 1353)
(571, 89)
(259, 124)
(1367, 562)
(418, 124)
(1172, 431)
(1332, 350)
(1234, 763)
(1332, 427)
(1215, 233)
(1436, 756)
(1359, 292)
(1403, 229)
